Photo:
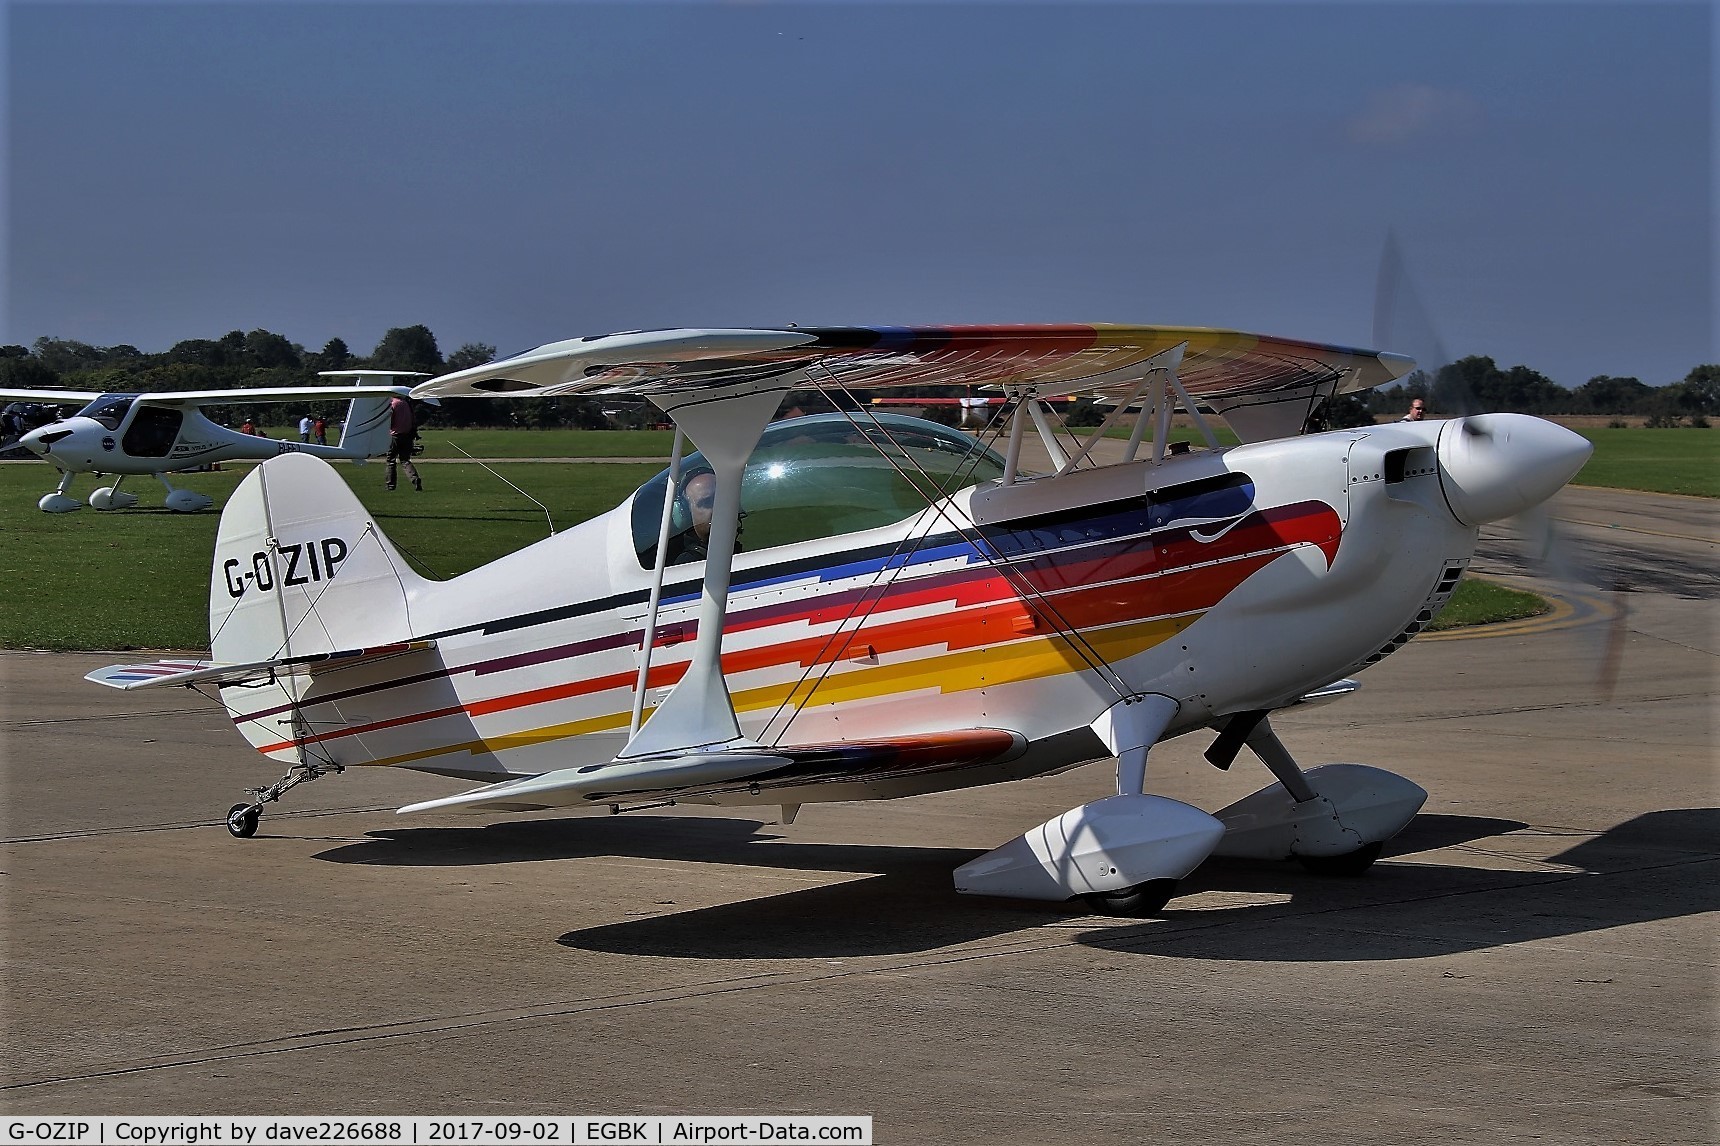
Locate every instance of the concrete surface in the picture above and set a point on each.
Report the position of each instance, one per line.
(1533, 961)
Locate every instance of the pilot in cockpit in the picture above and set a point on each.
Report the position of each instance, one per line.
(700, 494)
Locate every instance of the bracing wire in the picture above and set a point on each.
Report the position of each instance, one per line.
(1071, 634)
(869, 600)
(513, 487)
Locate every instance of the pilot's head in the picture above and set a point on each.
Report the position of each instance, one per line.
(701, 495)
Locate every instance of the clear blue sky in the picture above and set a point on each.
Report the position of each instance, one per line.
(518, 173)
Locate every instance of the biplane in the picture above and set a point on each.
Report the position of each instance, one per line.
(161, 433)
(863, 606)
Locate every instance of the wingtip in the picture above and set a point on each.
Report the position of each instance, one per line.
(1398, 364)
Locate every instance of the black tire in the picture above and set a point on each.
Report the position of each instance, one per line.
(242, 820)
(1350, 864)
(1143, 899)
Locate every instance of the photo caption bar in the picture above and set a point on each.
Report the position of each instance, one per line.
(419, 1130)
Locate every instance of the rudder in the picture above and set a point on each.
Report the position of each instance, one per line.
(365, 432)
(302, 567)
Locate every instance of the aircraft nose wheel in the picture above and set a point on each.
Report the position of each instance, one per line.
(242, 820)
(1142, 899)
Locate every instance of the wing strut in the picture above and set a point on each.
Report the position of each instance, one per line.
(649, 635)
(725, 427)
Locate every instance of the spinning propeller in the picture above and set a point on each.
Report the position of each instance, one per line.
(1480, 459)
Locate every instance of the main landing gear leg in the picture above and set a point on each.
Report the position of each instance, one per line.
(242, 818)
(1334, 819)
(60, 500)
(110, 497)
(184, 500)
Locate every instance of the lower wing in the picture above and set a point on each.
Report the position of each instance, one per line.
(738, 769)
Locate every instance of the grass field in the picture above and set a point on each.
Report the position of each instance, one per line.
(1682, 460)
(441, 443)
(139, 578)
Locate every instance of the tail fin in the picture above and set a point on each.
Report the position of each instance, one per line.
(365, 434)
(301, 567)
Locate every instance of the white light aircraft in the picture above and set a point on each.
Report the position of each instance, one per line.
(905, 610)
(159, 434)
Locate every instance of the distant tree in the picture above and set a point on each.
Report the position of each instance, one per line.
(14, 352)
(470, 355)
(1699, 393)
(27, 373)
(1340, 412)
(407, 348)
(1475, 383)
(333, 356)
(1083, 412)
(198, 352)
(65, 355)
(266, 350)
(1603, 394)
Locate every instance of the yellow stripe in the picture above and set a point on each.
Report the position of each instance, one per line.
(956, 672)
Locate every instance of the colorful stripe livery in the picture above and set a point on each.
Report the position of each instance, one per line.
(952, 612)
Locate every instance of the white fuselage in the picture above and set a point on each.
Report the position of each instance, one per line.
(84, 445)
(1229, 580)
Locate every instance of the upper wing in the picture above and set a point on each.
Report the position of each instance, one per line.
(267, 394)
(50, 397)
(202, 397)
(1216, 364)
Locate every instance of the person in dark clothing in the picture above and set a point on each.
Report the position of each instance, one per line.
(402, 436)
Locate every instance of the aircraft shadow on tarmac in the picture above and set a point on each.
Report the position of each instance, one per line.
(1641, 870)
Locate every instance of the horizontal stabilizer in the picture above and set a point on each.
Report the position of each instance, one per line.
(749, 767)
(154, 674)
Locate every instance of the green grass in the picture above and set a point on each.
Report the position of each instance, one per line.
(138, 578)
(1479, 602)
(1682, 460)
(1178, 434)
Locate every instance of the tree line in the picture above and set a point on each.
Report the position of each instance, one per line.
(261, 358)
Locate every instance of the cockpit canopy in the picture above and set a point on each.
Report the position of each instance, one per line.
(109, 409)
(821, 476)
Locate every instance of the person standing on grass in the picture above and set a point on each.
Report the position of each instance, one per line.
(402, 435)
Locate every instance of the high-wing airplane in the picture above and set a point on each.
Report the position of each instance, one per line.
(862, 606)
(163, 433)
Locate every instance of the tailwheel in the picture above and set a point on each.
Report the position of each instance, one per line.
(1140, 900)
(1349, 864)
(242, 820)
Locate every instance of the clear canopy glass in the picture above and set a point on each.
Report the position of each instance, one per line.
(818, 476)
